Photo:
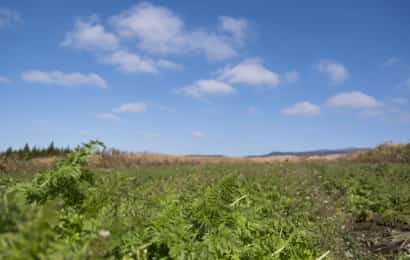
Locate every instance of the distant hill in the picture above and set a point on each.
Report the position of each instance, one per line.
(321, 152)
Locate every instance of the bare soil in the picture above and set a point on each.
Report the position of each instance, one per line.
(382, 239)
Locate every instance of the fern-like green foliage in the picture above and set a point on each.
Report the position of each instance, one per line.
(216, 211)
(69, 180)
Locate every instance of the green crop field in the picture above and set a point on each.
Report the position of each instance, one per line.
(244, 210)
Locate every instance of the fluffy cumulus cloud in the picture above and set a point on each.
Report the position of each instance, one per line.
(8, 17)
(336, 72)
(4, 80)
(59, 78)
(302, 109)
(353, 100)
(89, 34)
(136, 107)
(238, 27)
(214, 46)
(204, 88)
(128, 62)
(250, 72)
(158, 30)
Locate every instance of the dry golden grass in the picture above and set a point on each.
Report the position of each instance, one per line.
(18, 165)
(387, 152)
(130, 160)
(119, 160)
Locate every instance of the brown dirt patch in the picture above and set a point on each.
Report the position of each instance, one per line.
(381, 239)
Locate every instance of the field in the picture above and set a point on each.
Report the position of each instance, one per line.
(108, 207)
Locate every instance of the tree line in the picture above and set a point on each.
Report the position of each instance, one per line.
(30, 152)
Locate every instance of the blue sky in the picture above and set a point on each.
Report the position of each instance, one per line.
(184, 77)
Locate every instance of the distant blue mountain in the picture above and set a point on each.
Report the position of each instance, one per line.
(313, 152)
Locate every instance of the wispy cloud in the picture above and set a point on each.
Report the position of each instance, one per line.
(107, 116)
(170, 65)
(133, 107)
(5, 80)
(238, 27)
(291, 76)
(304, 108)
(353, 100)
(136, 107)
(250, 72)
(400, 100)
(406, 83)
(59, 78)
(203, 88)
(336, 72)
(391, 61)
(198, 134)
(8, 17)
(128, 62)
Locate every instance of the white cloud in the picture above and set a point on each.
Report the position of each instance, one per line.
(130, 63)
(353, 100)
(166, 64)
(391, 61)
(214, 46)
(400, 100)
(335, 71)
(107, 116)
(136, 107)
(250, 72)
(8, 17)
(202, 88)
(291, 76)
(131, 107)
(302, 109)
(158, 30)
(237, 27)
(64, 79)
(89, 34)
(198, 134)
(4, 80)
